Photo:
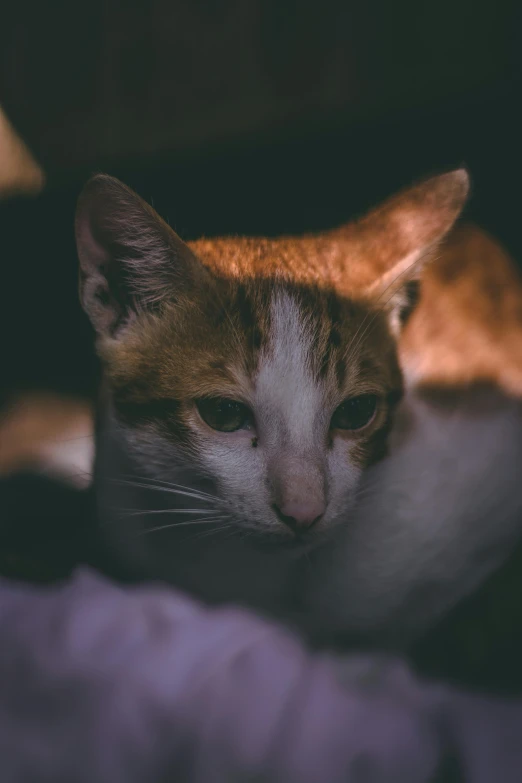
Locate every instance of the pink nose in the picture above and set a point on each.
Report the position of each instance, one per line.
(300, 515)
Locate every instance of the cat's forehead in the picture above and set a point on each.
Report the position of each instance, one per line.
(264, 340)
(310, 260)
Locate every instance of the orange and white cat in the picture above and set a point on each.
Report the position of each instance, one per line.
(249, 382)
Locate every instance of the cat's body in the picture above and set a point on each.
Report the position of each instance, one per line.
(250, 382)
(434, 519)
(467, 327)
(432, 522)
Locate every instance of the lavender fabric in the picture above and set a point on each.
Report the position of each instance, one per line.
(108, 684)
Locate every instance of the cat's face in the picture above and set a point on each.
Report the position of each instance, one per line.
(269, 390)
(270, 365)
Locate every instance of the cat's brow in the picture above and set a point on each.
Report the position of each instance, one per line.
(285, 379)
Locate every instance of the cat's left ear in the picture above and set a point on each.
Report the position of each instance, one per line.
(130, 259)
(397, 239)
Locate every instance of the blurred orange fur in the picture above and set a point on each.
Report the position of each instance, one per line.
(48, 433)
(467, 326)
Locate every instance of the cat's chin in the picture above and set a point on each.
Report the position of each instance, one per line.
(287, 542)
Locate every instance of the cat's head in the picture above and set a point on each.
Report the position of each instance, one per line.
(269, 364)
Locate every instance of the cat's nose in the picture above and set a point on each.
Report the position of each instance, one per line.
(300, 515)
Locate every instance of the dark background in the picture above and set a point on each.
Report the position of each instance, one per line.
(242, 116)
(262, 116)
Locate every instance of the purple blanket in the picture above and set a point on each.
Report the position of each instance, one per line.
(112, 685)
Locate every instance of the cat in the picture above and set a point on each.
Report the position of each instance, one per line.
(268, 368)
(249, 383)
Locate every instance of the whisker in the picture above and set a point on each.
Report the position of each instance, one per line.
(148, 512)
(173, 485)
(218, 529)
(179, 524)
(170, 490)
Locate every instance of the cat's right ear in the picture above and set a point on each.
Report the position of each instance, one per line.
(130, 259)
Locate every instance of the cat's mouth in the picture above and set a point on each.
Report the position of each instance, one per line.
(283, 539)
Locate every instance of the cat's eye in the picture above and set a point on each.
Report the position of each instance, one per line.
(223, 414)
(355, 413)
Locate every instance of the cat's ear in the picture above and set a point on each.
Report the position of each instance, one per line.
(130, 260)
(398, 238)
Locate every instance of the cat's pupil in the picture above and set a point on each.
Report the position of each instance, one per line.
(223, 414)
(355, 413)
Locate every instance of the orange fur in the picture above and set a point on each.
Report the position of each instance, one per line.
(355, 259)
(49, 432)
(177, 323)
(200, 343)
(468, 324)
